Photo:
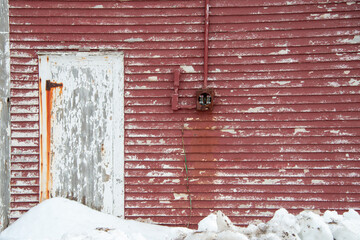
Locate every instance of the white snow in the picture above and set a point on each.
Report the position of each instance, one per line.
(208, 224)
(62, 219)
(344, 227)
(313, 227)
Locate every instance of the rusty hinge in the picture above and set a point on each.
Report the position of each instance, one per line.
(50, 85)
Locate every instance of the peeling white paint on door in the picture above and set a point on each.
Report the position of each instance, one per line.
(83, 148)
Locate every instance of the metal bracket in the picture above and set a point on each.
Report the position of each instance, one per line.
(175, 96)
(50, 85)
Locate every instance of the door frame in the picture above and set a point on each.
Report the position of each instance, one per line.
(45, 59)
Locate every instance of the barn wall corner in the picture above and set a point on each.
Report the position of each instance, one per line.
(4, 115)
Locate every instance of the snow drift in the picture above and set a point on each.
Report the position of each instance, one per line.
(62, 219)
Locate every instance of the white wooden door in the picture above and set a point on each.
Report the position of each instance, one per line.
(82, 122)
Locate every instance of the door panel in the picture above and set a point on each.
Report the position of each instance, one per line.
(82, 129)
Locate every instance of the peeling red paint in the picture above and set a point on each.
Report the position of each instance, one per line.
(283, 131)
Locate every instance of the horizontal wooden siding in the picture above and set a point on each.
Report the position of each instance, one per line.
(284, 131)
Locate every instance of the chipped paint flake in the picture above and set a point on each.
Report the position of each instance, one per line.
(300, 130)
(287, 60)
(290, 2)
(260, 86)
(328, 16)
(232, 131)
(140, 87)
(281, 83)
(271, 181)
(188, 69)
(153, 78)
(281, 52)
(315, 181)
(334, 84)
(27, 143)
(181, 196)
(256, 109)
(355, 40)
(98, 6)
(218, 181)
(172, 150)
(159, 174)
(347, 72)
(131, 40)
(354, 82)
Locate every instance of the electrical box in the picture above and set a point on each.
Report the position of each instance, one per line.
(205, 99)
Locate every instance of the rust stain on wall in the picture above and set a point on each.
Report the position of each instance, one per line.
(50, 89)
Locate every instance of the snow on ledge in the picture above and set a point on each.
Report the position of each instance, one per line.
(62, 219)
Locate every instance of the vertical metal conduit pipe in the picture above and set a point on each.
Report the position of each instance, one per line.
(206, 43)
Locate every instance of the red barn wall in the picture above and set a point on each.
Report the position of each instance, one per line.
(284, 131)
